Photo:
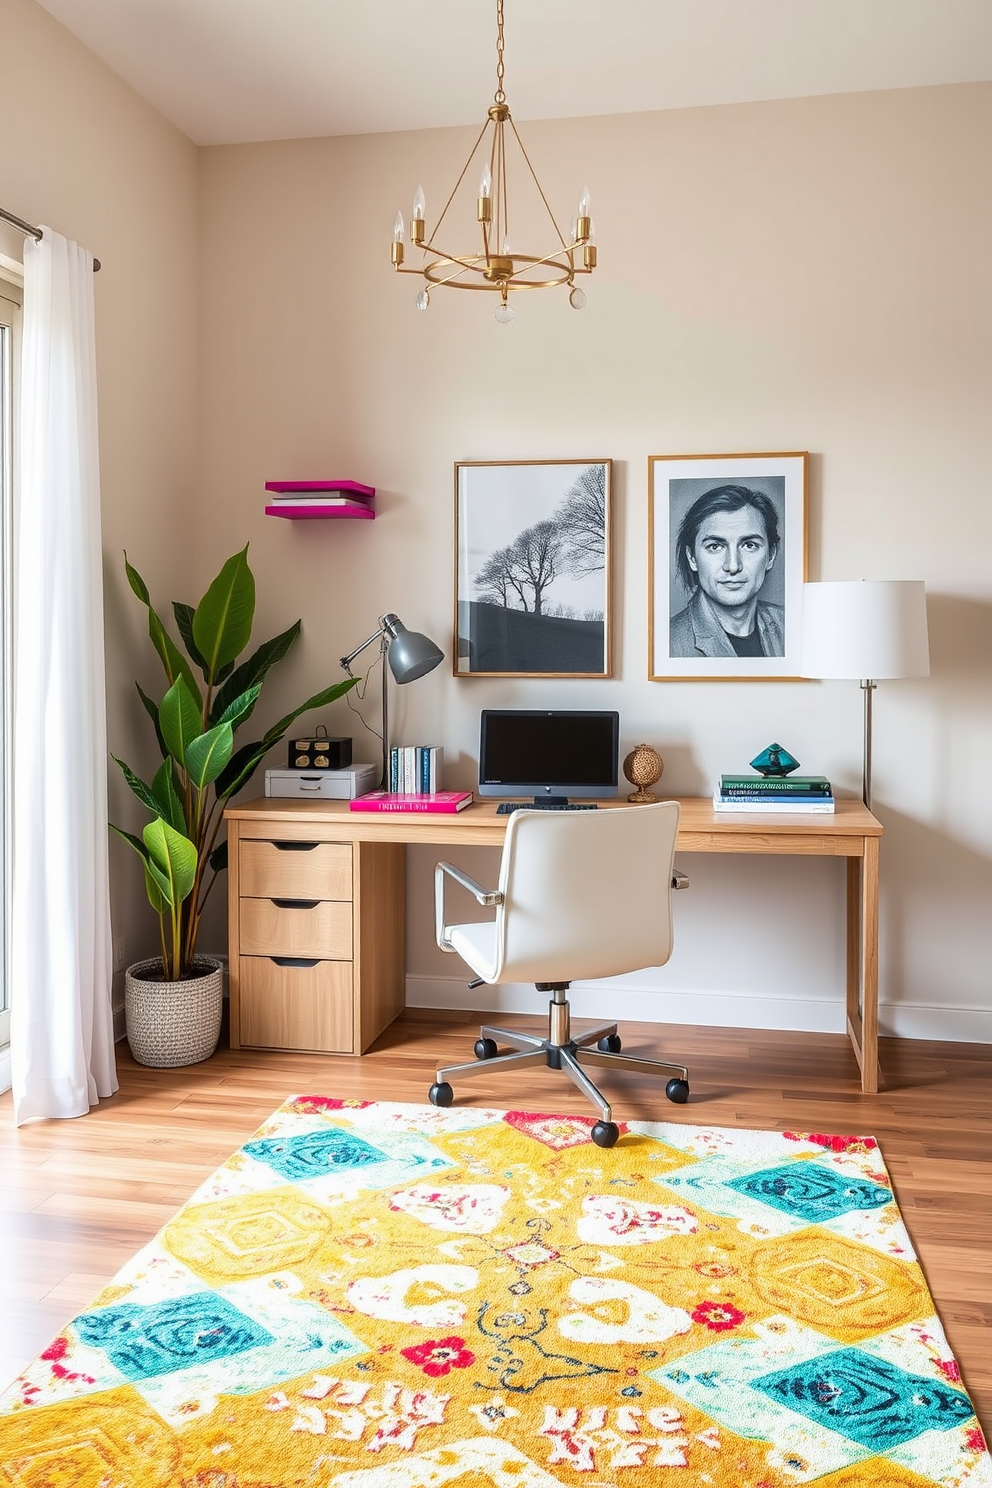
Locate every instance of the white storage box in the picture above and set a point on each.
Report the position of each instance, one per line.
(324, 785)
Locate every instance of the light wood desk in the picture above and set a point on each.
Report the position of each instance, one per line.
(317, 906)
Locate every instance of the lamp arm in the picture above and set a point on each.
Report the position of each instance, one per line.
(345, 661)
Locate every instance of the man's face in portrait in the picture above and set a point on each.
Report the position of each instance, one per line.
(731, 556)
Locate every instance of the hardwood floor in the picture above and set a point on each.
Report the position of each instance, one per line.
(79, 1197)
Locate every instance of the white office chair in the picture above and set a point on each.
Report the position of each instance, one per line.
(581, 894)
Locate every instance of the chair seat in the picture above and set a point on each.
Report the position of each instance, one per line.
(476, 944)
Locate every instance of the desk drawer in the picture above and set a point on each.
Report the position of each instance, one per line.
(295, 870)
(305, 1007)
(296, 927)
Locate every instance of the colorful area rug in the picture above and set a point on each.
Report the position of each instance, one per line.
(372, 1295)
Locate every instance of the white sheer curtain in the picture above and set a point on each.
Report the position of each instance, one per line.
(61, 1025)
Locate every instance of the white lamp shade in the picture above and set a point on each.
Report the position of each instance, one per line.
(866, 629)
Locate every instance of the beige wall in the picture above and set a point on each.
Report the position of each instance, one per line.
(81, 152)
(810, 274)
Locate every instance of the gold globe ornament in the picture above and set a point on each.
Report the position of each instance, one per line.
(643, 767)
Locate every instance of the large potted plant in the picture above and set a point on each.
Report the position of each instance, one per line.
(173, 1001)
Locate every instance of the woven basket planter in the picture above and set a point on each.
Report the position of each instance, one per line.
(173, 1023)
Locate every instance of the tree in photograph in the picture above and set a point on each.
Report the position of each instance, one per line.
(582, 517)
(536, 560)
(497, 582)
(524, 570)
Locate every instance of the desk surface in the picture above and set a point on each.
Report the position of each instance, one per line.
(851, 832)
(701, 828)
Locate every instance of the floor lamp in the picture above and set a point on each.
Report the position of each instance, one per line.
(871, 629)
(410, 655)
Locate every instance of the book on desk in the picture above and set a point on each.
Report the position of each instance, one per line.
(438, 802)
(774, 793)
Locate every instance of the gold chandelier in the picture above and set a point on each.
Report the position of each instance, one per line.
(499, 268)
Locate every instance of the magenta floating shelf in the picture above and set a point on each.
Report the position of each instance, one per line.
(320, 500)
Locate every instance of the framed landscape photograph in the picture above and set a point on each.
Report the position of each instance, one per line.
(532, 568)
(726, 565)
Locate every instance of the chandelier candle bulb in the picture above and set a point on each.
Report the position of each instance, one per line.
(397, 245)
(417, 223)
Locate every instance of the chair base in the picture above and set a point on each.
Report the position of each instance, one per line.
(563, 1052)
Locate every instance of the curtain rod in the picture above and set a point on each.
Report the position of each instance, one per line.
(33, 232)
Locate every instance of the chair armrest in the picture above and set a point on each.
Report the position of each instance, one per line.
(679, 880)
(483, 896)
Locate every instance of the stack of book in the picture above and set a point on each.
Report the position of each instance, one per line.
(774, 793)
(319, 498)
(415, 769)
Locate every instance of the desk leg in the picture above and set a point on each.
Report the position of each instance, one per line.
(862, 962)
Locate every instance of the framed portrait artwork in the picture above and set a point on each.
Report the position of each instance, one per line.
(727, 560)
(532, 568)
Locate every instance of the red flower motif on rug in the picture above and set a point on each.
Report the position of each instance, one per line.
(832, 1143)
(718, 1316)
(439, 1356)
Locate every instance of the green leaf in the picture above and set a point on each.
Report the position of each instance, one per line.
(172, 658)
(145, 793)
(218, 858)
(222, 622)
(137, 583)
(184, 624)
(179, 718)
(319, 700)
(254, 669)
(207, 755)
(170, 807)
(239, 767)
(172, 861)
(156, 898)
(240, 708)
(134, 841)
(151, 708)
(158, 883)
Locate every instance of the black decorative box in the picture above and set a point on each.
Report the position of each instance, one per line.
(318, 752)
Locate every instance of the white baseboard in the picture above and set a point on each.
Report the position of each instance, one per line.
(946, 1024)
(4, 1069)
(708, 1009)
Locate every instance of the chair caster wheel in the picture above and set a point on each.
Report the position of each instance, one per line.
(605, 1133)
(677, 1091)
(441, 1095)
(610, 1044)
(485, 1048)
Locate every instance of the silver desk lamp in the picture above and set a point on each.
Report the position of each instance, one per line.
(871, 629)
(410, 655)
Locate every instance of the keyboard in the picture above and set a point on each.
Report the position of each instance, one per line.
(505, 807)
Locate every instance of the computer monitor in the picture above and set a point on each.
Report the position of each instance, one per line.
(549, 754)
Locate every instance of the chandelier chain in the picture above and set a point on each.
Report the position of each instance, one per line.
(499, 96)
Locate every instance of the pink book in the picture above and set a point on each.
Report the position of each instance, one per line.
(440, 801)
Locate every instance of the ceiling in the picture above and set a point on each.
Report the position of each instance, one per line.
(233, 71)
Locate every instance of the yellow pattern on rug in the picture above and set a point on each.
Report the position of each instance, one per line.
(376, 1295)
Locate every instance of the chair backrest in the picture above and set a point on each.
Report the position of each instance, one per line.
(586, 893)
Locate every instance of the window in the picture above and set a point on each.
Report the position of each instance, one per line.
(10, 312)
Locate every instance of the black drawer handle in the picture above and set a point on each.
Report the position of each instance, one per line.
(304, 961)
(296, 903)
(295, 846)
